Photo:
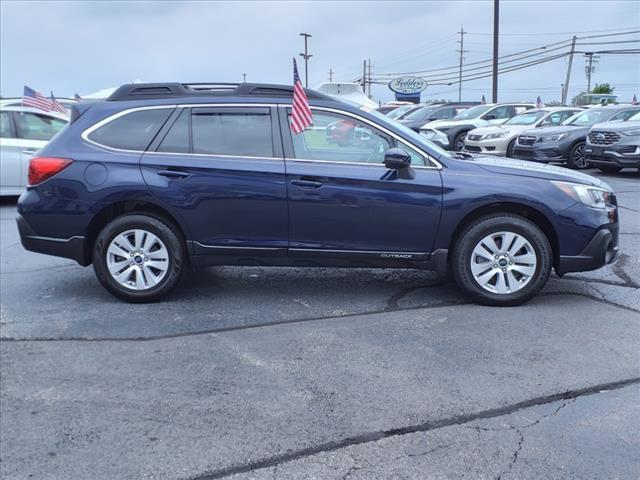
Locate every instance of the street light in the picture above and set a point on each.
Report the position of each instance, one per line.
(306, 57)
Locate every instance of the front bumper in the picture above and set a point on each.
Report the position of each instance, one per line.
(496, 146)
(72, 247)
(614, 155)
(602, 250)
(541, 152)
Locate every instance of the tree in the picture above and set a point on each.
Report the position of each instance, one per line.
(603, 88)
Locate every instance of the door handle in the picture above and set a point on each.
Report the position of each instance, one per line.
(175, 174)
(306, 183)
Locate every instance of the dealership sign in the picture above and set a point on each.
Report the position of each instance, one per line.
(407, 85)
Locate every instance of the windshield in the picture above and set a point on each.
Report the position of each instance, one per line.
(409, 134)
(473, 112)
(400, 111)
(590, 117)
(635, 118)
(526, 118)
(421, 114)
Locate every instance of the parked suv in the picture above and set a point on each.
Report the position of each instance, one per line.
(162, 178)
(501, 139)
(451, 134)
(612, 146)
(429, 113)
(565, 143)
(23, 131)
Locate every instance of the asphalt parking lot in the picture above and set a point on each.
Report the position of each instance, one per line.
(285, 373)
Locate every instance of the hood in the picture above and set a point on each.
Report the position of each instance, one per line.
(453, 123)
(546, 131)
(522, 168)
(616, 126)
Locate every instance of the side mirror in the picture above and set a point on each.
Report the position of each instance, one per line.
(396, 159)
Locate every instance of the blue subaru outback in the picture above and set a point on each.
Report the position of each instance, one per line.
(162, 178)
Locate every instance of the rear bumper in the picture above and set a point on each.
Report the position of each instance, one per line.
(600, 251)
(72, 247)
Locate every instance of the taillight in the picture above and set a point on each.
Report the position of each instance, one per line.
(41, 168)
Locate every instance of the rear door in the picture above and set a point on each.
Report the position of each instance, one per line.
(221, 169)
(343, 200)
(10, 149)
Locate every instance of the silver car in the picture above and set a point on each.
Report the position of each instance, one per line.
(23, 131)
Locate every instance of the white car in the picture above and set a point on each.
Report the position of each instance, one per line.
(501, 139)
(450, 134)
(23, 131)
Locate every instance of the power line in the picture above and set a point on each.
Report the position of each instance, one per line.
(553, 33)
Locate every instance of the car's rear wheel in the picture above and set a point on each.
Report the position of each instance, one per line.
(138, 258)
(577, 158)
(511, 148)
(458, 143)
(609, 168)
(502, 259)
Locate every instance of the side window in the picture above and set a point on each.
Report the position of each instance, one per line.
(566, 114)
(232, 131)
(340, 138)
(520, 110)
(34, 126)
(554, 119)
(623, 116)
(417, 160)
(132, 131)
(443, 113)
(500, 113)
(6, 125)
(177, 138)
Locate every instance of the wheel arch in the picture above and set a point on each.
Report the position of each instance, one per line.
(117, 209)
(525, 211)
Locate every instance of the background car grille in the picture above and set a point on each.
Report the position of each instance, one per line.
(603, 138)
(474, 137)
(628, 149)
(524, 153)
(472, 148)
(526, 140)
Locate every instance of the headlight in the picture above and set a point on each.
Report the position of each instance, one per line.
(489, 136)
(428, 133)
(591, 196)
(553, 138)
(631, 133)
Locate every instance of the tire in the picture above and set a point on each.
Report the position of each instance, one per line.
(609, 168)
(501, 283)
(511, 149)
(577, 159)
(458, 142)
(156, 262)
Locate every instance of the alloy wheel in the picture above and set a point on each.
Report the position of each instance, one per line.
(137, 259)
(579, 158)
(503, 262)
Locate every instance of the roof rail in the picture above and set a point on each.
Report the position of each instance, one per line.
(152, 91)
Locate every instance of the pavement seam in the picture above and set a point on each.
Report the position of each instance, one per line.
(370, 437)
(291, 322)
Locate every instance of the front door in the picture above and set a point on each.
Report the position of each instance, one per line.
(343, 199)
(222, 170)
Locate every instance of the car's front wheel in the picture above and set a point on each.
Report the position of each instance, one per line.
(138, 258)
(577, 158)
(511, 149)
(458, 142)
(502, 259)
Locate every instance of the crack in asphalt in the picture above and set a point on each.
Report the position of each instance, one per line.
(375, 436)
(289, 322)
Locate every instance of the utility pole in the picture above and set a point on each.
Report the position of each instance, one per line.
(561, 91)
(306, 57)
(244, 78)
(330, 75)
(364, 76)
(589, 68)
(566, 81)
(496, 31)
(369, 80)
(461, 51)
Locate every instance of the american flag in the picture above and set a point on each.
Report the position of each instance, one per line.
(56, 106)
(483, 101)
(301, 116)
(539, 102)
(31, 98)
(635, 100)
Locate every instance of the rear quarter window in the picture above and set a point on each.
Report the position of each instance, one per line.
(132, 131)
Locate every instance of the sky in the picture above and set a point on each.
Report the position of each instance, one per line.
(83, 47)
